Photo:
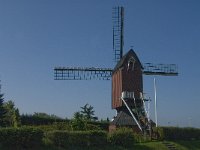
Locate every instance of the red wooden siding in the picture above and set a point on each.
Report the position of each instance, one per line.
(116, 89)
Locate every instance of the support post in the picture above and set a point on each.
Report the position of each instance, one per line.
(155, 94)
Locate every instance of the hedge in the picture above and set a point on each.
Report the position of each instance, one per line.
(77, 138)
(25, 137)
(101, 125)
(122, 137)
(55, 126)
(176, 133)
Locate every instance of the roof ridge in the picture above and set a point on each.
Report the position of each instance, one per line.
(121, 62)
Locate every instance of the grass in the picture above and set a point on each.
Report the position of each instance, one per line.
(154, 145)
(187, 145)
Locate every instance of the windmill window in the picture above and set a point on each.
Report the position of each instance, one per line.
(131, 63)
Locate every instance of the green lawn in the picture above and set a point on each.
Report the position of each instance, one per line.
(143, 146)
(187, 145)
(180, 145)
(150, 146)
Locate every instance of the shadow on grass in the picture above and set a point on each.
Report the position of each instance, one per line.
(48, 147)
(140, 147)
(135, 147)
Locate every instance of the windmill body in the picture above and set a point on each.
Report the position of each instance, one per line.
(127, 91)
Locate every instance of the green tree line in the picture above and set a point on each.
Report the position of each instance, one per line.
(82, 120)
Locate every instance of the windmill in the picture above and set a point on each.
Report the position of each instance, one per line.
(127, 78)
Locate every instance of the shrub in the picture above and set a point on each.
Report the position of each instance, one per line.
(21, 137)
(100, 125)
(122, 137)
(55, 126)
(92, 127)
(59, 138)
(79, 124)
(62, 126)
(140, 138)
(176, 133)
(158, 133)
(98, 138)
(77, 138)
(80, 138)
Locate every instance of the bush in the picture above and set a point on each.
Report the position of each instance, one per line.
(59, 138)
(122, 137)
(92, 127)
(181, 133)
(176, 133)
(100, 125)
(158, 133)
(62, 126)
(98, 138)
(140, 138)
(77, 138)
(79, 124)
(55, 126)
(21, 137)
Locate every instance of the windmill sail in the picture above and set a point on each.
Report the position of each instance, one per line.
(118, 32)
(78, 73)
(92, 73)
(160, 69)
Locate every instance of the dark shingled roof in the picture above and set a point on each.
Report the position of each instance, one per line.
(124, 118)
(122, 60)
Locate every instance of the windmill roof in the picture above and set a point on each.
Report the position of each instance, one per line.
(124, 58)
(123, 118)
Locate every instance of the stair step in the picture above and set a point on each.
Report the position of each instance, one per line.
(170, 146)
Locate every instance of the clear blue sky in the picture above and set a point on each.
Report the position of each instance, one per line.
(37, 35)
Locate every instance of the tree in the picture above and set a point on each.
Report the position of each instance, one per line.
(82, 119)
(12, 116)
(45, 115)
(78, 122)
(88, 112)
(18, 118)
(2, 110)
(41, 115)
(78, 115)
